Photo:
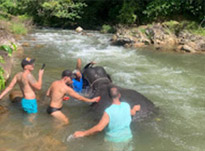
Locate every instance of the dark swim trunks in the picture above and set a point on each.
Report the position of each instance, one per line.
(50, 110)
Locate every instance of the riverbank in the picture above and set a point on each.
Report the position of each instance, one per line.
(167, 36)
(11, 30)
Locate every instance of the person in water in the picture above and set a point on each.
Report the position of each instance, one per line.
(28, 84)
(78, 80)
(57, 92)
(116, 117)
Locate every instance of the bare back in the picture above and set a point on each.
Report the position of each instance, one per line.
(24, 80)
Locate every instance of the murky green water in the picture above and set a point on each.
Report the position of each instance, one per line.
(174, 82)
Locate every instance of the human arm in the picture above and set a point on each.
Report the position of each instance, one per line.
(97, 128)
(135, 109)
(75, 95)
(79, 64)
(36, 84)
(48, 92)
(9, 88)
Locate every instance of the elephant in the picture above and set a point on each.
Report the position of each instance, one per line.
(99, 82)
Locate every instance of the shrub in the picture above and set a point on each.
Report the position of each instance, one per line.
(107, 29)
(18, 28)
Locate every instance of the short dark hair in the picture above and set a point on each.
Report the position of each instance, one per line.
(67, 73)
(113, 92)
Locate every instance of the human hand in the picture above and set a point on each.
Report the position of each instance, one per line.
(92, 62)
(78, 134)
(137, 107)
(96, 99)
(40, 72)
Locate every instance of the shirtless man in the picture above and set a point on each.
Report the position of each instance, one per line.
(58, 90)
(28, 85)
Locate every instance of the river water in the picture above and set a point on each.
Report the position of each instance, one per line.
(174, 82)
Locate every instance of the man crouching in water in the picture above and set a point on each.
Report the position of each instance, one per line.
(58, 90)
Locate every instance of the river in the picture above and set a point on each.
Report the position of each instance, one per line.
(174, 82)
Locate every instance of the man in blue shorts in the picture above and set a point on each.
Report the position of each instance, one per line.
(116, 117)
(28, 85)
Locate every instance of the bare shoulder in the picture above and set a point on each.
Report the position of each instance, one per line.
(31, 78)
(18, 75)
(55, 84)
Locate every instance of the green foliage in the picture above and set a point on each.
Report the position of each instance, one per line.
(62, 9)
(18, 28)
(161, 9)
(8, 5)
(190, 26)
(107, 29)
(127, 12)
(2, 80)
(24, 18)
(8, 49)
(66, 13)
(1, 59)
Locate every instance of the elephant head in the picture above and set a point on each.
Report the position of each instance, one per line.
(99, 82)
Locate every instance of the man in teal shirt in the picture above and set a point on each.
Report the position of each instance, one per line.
(117, 118)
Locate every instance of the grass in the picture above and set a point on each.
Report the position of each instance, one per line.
(190, 26)
(18, 25)
(18, 28)
(107, 29)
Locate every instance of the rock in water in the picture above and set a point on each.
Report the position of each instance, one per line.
(79, 29)
(15, 96)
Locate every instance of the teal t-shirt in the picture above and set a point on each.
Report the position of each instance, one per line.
(118, 129)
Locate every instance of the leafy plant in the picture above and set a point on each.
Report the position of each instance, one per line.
(2, 80)
(107, 29)
(8, 49)
(1, 59)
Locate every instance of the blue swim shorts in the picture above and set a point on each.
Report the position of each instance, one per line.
(29, 106)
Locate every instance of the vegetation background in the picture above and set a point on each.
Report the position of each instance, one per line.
(16, 16)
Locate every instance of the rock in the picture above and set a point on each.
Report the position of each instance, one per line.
(139, 44)
(3, 109)
(79, 29)
(188, 49)
(159, 36)
(15, 96)
(25, 44)
(39, 46)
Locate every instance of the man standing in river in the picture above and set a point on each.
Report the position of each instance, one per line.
(57, 92)
(28, 85)
(116, 117)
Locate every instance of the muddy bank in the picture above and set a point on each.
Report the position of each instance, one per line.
(160, 37)
(6, 39)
